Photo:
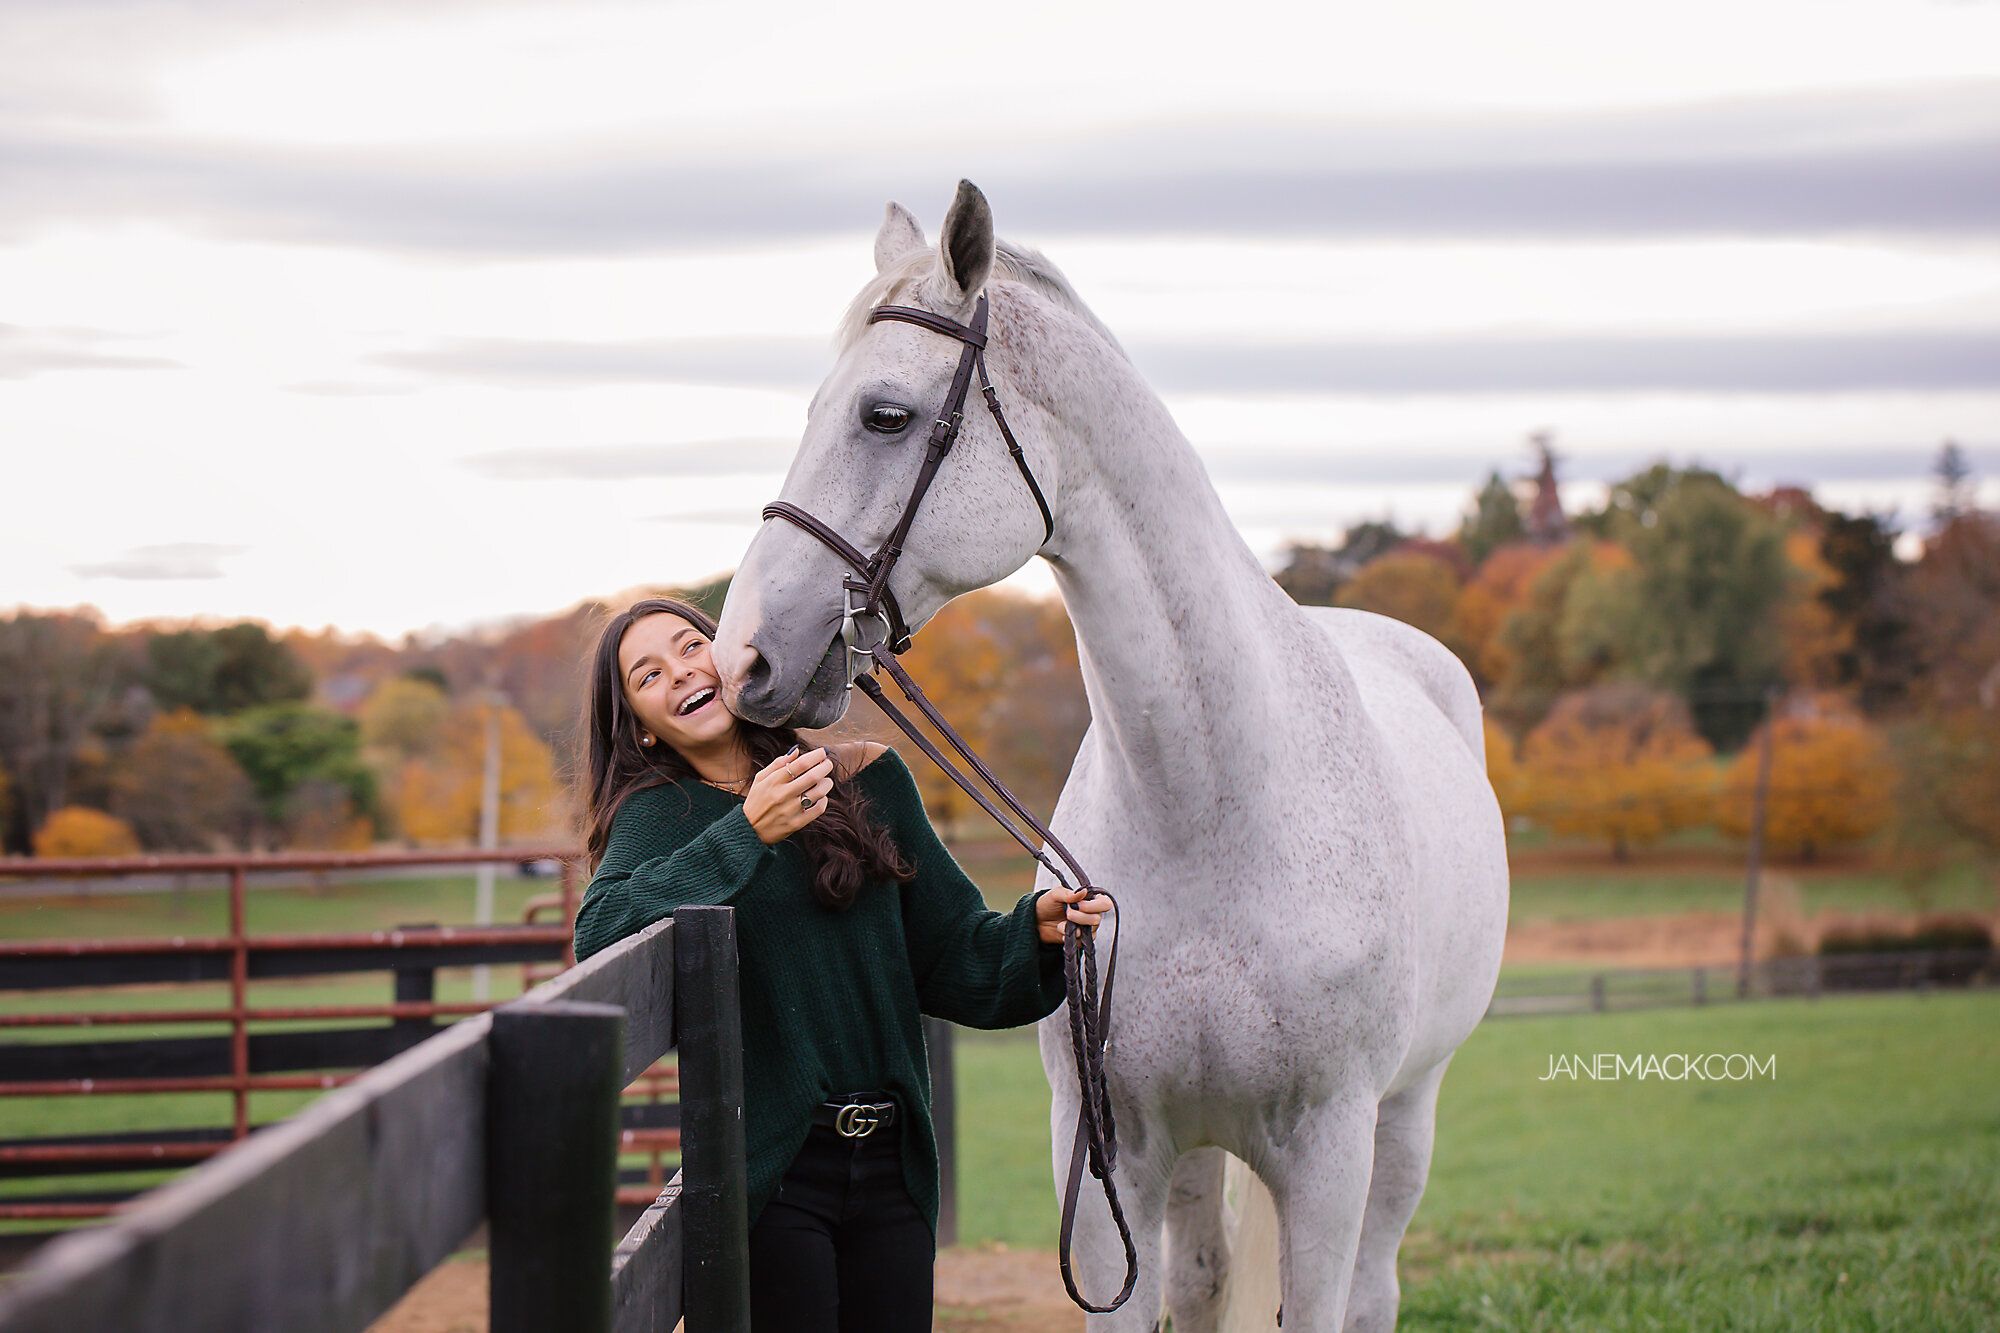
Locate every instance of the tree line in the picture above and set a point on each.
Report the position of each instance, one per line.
(1631, 656)
(1628, 657)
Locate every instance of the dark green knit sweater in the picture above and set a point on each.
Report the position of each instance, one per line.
(831, 1000)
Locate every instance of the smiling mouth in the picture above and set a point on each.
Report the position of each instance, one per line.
(698, 699)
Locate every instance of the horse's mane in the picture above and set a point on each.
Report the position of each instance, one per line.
(906, 279)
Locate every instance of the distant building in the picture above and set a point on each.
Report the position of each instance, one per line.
(1547, 524)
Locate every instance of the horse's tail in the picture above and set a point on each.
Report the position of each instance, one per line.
(1252, 1296)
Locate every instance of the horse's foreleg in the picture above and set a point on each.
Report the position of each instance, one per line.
(1403, 1128)
(1320, 1185)
(1197, 1254)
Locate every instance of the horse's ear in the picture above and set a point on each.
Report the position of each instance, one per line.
(900, 235)
(967, 242)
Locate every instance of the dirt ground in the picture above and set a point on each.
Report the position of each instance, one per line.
(1690, 939)
(988, 1290)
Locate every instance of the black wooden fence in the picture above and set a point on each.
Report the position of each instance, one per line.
(320, 1223)
(1772, 978)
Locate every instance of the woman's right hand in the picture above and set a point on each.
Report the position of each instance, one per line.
(788, 793)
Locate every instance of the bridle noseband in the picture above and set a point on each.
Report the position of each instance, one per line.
(877, 603)
(874, 623)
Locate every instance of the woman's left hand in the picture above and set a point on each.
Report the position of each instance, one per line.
(1059, 905)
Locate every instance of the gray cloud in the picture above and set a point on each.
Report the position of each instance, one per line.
(1330, 464)
(1779, 363)
(178, 560)
(740, 362)
(1773, 364)
(624, 462)
(25, 352)
(1908, 160)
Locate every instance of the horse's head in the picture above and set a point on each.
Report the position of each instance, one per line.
(779, 649)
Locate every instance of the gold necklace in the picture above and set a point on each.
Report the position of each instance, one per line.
(730, 787)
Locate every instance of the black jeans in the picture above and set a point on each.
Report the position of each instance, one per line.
(841, 1247)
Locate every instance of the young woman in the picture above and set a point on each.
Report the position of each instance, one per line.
(851, 921)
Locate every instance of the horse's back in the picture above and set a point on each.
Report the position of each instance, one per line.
(1365, 638)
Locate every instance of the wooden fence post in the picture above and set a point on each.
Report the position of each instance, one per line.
(714, 1187)
(552, 1164)
(944, 1125)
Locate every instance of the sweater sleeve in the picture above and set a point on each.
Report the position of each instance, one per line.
(659, 858)
(977, 968)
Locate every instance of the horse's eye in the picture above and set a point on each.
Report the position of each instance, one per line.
(884, 419)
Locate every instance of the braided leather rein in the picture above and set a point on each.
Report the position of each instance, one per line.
(1096, 1139)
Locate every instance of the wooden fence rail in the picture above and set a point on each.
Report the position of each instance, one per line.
(320, 1223)
(1654, 988)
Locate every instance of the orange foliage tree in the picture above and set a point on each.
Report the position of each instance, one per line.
(960, 662)
(1504, 771)
(178, 788)
(78, 830)
(1495, 592)
(1618, 762)
(1833, 780)
(1816, 640)
(435, 793)
(1412, 586)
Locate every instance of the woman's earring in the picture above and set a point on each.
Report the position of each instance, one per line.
(645, 738)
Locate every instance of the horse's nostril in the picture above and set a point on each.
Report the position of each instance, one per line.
(756, 672)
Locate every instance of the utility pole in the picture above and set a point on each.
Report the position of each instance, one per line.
(489, 836)
(1760, 802)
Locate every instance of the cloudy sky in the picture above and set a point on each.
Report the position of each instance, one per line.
(390, 316)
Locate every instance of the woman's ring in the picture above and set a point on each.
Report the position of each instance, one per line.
(805, 802)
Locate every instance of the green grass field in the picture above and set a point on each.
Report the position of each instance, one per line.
(1859, 1189)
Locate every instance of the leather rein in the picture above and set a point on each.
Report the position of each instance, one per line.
(872, 626)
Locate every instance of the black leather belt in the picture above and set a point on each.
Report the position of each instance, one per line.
(855, 1118)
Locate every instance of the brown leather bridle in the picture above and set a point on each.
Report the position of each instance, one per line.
(873, 628)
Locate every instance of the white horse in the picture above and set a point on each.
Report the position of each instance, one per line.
(1291, 804)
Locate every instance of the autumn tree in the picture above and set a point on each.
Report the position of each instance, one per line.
(178, 789)
(403, 718)
(960, 662)
(1832, 779)
(1496, 591)
(1414, 587)
(1960, 772)
(1816, 641)
(1541, 647)
(1503, 770)
(1618, 762)
(78, 830)
(62, 681)
(436, 791)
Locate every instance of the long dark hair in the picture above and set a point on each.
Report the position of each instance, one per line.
(846, 849)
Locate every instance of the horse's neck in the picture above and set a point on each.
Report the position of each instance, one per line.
(1189, 650)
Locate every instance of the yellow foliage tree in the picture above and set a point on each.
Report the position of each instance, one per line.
(1618, 762)
(1815, 638)
(1833, 780)
(78, 830)
(1412, 587)
(404, 718)
(435, 794)
(1504, 771)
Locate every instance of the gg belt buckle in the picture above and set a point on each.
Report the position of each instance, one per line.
(856, 1121)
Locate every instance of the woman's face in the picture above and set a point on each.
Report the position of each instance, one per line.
(671, 685)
